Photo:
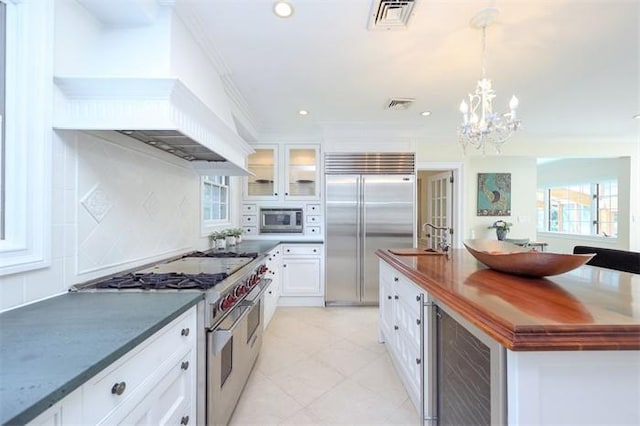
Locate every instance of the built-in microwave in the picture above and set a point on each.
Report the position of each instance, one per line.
(280, 220)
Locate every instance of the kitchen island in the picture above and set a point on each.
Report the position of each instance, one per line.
(570, 344)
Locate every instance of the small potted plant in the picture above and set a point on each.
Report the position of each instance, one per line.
(237, 232)
(217, 240)
(502, 228)
(230, 236)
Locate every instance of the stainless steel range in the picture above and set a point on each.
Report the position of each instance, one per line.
(233, 285)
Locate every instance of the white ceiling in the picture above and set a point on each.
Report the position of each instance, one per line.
(574, 65)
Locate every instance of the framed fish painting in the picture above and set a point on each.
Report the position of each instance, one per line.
(494, 194)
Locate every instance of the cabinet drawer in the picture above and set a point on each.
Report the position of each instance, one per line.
(386, 272)
(313, 209)
(301, 250)
(313, 230)
(249, 209)
(313, 220)
(249, 220)
(100, 394)
(250, 230)
(409, 294)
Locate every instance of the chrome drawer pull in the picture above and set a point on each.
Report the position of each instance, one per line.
(118, 388)
(418, 361)
(184, 420)
(184, 332)
(395, 327)
(185, 365)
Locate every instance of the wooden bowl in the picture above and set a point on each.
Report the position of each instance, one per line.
(513, 259)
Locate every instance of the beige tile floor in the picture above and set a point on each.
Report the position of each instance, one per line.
(324, 366)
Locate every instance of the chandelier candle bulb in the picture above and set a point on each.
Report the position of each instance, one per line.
(464, 109)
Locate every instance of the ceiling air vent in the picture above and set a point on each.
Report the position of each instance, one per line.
(391, 14)
(400, 104)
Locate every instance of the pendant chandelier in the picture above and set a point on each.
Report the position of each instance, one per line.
(480, 124)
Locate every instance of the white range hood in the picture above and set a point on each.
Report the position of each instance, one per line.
(161, 112)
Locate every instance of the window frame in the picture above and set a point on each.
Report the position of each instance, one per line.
(593, 208)
(214, 182)
(26, 243)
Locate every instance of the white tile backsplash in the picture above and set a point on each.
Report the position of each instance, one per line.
(143, 208)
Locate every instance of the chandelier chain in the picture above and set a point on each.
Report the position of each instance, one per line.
(484, 51)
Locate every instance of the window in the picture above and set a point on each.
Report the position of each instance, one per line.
(3, 84)
(26, 91)
(579, 209)
(215, 199)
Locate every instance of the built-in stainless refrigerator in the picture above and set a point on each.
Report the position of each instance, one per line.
(365, 211)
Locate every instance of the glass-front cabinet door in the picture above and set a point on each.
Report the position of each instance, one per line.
(263, 185)
(301, 172)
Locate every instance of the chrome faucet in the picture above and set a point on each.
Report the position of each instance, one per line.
(444, 244)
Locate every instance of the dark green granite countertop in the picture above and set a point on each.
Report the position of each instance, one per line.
(262, 246)
(50, 348)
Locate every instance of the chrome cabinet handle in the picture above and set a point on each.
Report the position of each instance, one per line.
(118, 388)
(418, 361)
(184, 420)
(418, 321)
(185, 365)
(389, 297)
(395, 279)
(396, 297)
(395, 327)
(418, 298)
(184, 332)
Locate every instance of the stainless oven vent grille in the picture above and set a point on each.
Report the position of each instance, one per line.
(372, 163)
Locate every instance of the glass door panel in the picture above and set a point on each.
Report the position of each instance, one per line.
(264, 165)
(302, 172)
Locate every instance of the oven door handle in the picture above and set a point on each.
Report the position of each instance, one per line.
(223, 333)
(257, 292)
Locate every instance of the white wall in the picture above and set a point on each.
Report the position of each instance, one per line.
(146, 207)
(523, 190)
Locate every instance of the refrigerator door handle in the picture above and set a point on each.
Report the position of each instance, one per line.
(363, 238)
(359, 238)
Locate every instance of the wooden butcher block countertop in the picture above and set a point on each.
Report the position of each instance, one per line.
(589, 308)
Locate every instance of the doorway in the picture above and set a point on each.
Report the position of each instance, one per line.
(439, 202)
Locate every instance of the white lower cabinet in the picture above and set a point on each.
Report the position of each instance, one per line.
(302, 275)
(272, 295)
(65, 412)
(400, 327)
(153, 384)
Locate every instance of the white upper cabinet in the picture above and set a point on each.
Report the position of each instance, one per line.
(302, 174)
(283, 173)
(263, 185)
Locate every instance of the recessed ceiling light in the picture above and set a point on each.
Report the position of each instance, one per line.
(425, 113)
(636, 116)
(303, 112)
(282, 9)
